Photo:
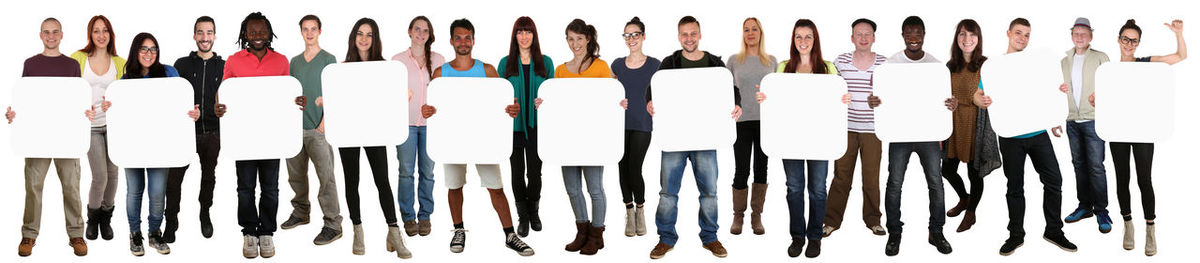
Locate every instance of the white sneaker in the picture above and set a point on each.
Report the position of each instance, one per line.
(1127, 243)
(266, 247)
(1151, 242)
(249, 246)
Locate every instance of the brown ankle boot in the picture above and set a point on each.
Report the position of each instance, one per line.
(758, 196)
(957, 209)
(967, 222)
(79, 246)
(739, 210)
(581, 236)
(595, 241)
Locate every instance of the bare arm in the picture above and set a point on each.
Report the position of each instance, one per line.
(1180, 47)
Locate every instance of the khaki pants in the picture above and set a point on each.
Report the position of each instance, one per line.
(317, 149)
(68, 175)
(843, 176)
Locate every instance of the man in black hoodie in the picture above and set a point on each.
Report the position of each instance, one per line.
(204, 69)
(704, 162)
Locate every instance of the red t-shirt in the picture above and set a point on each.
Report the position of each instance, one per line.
(245, 64)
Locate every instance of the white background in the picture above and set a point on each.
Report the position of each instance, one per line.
(172, 22)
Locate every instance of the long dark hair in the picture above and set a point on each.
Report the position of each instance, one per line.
(245, 43)
(818, 62)
(375, 53)
(589, 32)
(112, 50)
(957, 61)
(133, 69)
(513, 67)
(428, 42)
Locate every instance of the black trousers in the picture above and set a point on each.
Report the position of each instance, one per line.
(748, 139)
(1041, 153)
(208, 146)
(526, 167)
(1143, 157)
(633, 186)
(377, 158)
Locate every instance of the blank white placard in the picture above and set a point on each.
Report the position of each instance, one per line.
(148, 123)
(470, 125)
(912, 107)
(50, 121)
(580, 121)
(366, 103)
(262, 120)
(1024, 91)
(803, 117)
(692, 109)
(1135, 102)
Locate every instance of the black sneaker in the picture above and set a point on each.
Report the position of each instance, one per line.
(1011, 245)
(1062, 242)
(796, 247)
(893, 245)
(293, 222)
(459, 241)
(514, 242)
(814, 249)
(327, 235)
(939, 241)
(135, 244)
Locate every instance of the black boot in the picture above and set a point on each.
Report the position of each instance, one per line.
(93, 221)
(531, 210)
(522, 219)
(105, 223)
(172, 225)
(206, 227)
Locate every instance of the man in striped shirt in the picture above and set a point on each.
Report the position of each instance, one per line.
(858, 68)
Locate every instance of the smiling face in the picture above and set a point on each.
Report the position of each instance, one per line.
(863, 36)
(1081, 37)
(51, 34)
(914, 37)
(258, 35)
(363, 38)
(751, 33)
(99, 34)
(1018, 37)
(311, 31)
(577, 42)
(205, 35)
(636, 36)
(524, 39)
(689, 37)
(1129, 41)
(463, 41)
(967, 41)
(147, 53)
(803, 38)
(419, 33)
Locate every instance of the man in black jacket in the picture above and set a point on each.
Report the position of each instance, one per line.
(204, 69)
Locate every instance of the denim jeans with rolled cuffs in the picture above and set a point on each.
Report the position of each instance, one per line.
(413, 155)
(574, 178)
(931, 157)
(704, 168)
(797, 178)
(1087, 155)
(152, 180)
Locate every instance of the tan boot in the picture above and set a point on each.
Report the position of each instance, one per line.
(630, 222)
(639, 214)
(358, 248)
(758, 196)
(26, 247)
(79, 246)
(395, 242)
(739, 210)
(1151, 241)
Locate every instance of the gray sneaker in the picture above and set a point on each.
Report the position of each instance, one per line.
(293, 222)
(249, 246)
(266, 246)
(327, 235)
(158, 244)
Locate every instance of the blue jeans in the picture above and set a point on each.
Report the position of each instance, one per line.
(931, 160)
(704, 167)
(1087, 154)
(412, 153)
(573, 177)
(817, 172)
(258, 220)
(138, 180)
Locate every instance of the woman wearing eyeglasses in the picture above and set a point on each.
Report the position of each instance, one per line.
(634, 72)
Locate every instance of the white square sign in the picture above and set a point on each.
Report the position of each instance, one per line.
(803, 117)
(262, 120)
(366, 103)
(692, 109)
(470, 125)
(1024, 91)
(912, 102)
(580, 121)
(50, 121)
(1135, 102)
(148, 123)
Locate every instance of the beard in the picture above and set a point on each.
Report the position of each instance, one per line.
(462, 51)
(202, 49)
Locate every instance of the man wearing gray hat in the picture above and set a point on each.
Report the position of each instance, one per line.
(1087, 149)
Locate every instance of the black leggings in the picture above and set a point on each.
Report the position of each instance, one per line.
(633, 186)
(525, 152)
(1143, 157)
(950, 172)
(377, 158)
(748, 139)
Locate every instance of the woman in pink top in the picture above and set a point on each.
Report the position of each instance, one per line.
(420, 61)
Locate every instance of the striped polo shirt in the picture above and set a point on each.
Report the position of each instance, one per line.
(860, 116)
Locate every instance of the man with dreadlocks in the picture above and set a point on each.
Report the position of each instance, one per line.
(257, 58)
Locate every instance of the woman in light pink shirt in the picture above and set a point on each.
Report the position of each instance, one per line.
(421, 62)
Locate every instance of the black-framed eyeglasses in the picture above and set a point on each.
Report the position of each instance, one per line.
(634, 35)
(1130, 41)
(150, 50)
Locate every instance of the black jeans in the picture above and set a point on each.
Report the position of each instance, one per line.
(525, 152)
(1143, 157)
(633, 186)
(748, 139)
(950, 172)
(1041, 153)
(260, 220)
(208, 146)
(898, 157)
(377, 158)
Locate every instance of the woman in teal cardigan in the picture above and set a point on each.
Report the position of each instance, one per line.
(526, 68)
